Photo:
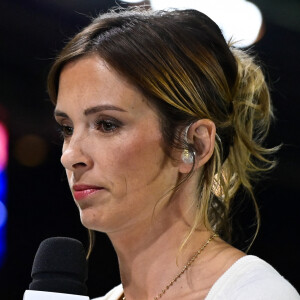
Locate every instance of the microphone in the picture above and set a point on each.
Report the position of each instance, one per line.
(59, 271)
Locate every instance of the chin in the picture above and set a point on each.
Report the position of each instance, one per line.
(88, 219)
(93, 221)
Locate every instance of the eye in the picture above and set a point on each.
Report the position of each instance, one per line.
(65, 131)
(108, 125)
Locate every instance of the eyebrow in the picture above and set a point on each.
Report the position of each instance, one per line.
(91, 110)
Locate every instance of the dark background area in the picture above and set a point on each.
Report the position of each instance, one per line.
(39, 202)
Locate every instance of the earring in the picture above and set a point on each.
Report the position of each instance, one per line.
(187, 156)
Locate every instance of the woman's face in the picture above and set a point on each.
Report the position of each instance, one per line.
(113, 149)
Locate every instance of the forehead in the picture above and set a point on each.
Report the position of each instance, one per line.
(90, 81)
(91, 74)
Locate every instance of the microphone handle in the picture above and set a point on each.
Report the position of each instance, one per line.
(40, 295)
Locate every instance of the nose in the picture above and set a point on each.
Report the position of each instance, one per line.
(75, 156)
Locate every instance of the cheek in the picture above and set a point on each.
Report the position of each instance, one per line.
(139, 161)
(69, 176)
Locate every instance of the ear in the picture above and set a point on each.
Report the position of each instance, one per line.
(201, 135)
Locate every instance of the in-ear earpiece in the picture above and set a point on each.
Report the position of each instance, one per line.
(187, 156)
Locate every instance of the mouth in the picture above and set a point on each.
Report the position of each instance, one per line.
(82, 191)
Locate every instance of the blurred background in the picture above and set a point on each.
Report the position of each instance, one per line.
(35, 202)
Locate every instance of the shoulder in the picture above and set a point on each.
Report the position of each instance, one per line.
(113, 294)
(252, 278)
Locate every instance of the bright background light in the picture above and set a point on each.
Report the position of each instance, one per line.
(132, 1)
(3, 147)
(3, 188)
(239, 19)
(3, 215)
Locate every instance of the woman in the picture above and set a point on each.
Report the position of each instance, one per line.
(162, 124)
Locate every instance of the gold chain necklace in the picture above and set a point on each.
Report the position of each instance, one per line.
(188, 264)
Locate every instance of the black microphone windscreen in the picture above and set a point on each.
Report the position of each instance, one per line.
(60, 266)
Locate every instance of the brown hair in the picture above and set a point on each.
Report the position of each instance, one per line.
(181, 62)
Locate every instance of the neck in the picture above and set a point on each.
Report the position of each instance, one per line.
(145, 269)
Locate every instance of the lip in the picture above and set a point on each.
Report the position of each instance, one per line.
(82, 191)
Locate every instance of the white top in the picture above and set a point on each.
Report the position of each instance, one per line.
(249, 278)
(42, 295)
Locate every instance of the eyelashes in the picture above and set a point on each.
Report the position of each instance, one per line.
(103, 125)
(64, 131)
(107, 125)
